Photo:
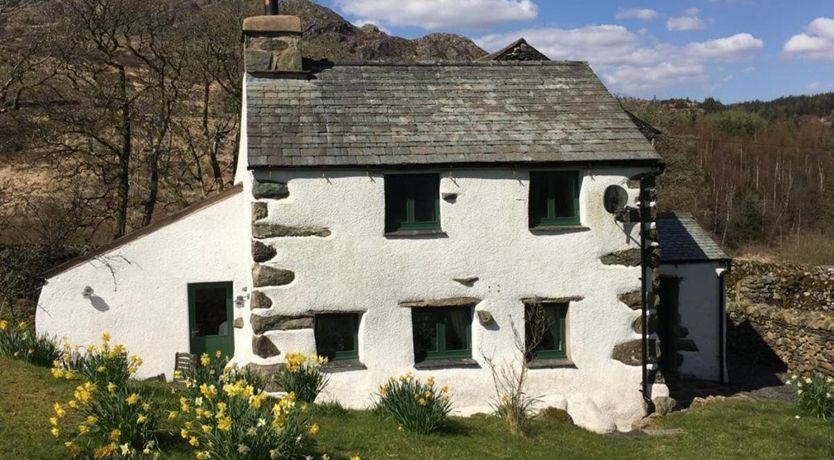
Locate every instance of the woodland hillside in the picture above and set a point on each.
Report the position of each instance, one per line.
(114, 113)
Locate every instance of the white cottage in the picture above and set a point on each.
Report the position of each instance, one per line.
(404, 218)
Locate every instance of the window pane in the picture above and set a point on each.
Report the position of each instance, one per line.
(457, 327)
(424, 190)
(538, 198)
(210, 311)
(336, 334)
(424, 323)
(544, 327)
(395, 203)
(565, 190)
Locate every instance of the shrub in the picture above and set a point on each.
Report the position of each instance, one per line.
(236, 421)
(110, 416)
(416, 406)
(21, 343)
(303, 376)
(814, 396)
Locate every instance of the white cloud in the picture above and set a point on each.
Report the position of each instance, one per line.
(623, 58)
(734, 47)
(816, 43)
(692, 12)
(438, 14)
(684, 23)
(642, 14)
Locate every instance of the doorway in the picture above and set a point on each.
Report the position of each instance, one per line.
(210, 318)
(668, 324)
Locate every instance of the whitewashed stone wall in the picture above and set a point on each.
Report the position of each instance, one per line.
(347, 264)
(141, 287)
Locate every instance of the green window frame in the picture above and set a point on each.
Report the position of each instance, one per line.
(412, 202)
(436, 328)
(554, 198)
(547, 322)
(332, 340)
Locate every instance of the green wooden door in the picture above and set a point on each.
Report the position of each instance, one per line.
(210, 318)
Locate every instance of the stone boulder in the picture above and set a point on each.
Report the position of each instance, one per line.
(586, 414)
(263, 275)
(261, 324)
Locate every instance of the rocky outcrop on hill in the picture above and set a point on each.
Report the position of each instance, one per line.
(329, 36)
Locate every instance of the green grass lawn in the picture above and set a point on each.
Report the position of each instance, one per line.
(732, 430)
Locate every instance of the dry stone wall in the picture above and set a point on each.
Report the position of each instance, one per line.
(782, 315)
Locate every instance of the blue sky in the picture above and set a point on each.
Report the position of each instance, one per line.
(730, 49)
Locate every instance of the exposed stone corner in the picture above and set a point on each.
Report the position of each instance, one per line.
(260, 301)
(260, 210)
(266, 189)
(261, 252)
(264, 347)
(628, 257)
(265, 323)
(263, 230)
(264, 275)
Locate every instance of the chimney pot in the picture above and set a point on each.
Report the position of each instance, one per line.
(271, 44)
(270, 7)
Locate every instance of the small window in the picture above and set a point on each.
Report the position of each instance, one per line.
(412, 202)
(554, 198)
(441, 333)
(337, 336)
(545, 330)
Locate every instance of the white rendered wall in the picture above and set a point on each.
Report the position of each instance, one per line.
(357, 268)
(698, 305)
(141, 295)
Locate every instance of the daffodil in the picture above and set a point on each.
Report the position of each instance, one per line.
(105, 337)
(355, 457)
(205, 359)
(91, 420)
(142, 418)
(314, 429)
(132, 399)
(111, 387)
(224, 424)
(3, 324)
(115, 434)
(55, 431)
(193, 441)
(172, 415)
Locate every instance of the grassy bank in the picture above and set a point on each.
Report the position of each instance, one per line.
(721, 430)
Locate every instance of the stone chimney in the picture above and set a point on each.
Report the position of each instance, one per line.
(271, 45)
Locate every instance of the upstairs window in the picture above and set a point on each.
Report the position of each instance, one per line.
(412, 202)
(545, 330)
(554, 198)
(442, 333)
(337, 336)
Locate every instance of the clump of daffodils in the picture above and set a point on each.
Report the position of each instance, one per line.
(227, 414)
(303, 375)
(814, 395)
(100, 364)
(414, 405)
(18, 342)
(109, 416)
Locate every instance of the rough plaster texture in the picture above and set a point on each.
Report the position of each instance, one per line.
(140, 288)
(698, 305)
(357, 268)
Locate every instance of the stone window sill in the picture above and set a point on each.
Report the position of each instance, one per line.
(344, 366)
(447, 364)
(430, 233)
(558, 229)
(551, 364)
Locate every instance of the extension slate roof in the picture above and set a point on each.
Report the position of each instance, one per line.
(683, 240)
(481, 112)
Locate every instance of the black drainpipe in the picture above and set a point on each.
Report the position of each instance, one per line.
(647, 182)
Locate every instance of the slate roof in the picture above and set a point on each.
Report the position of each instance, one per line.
(683, 240)
(483, 112)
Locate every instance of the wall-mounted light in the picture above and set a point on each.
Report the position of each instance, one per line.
(87, 292)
